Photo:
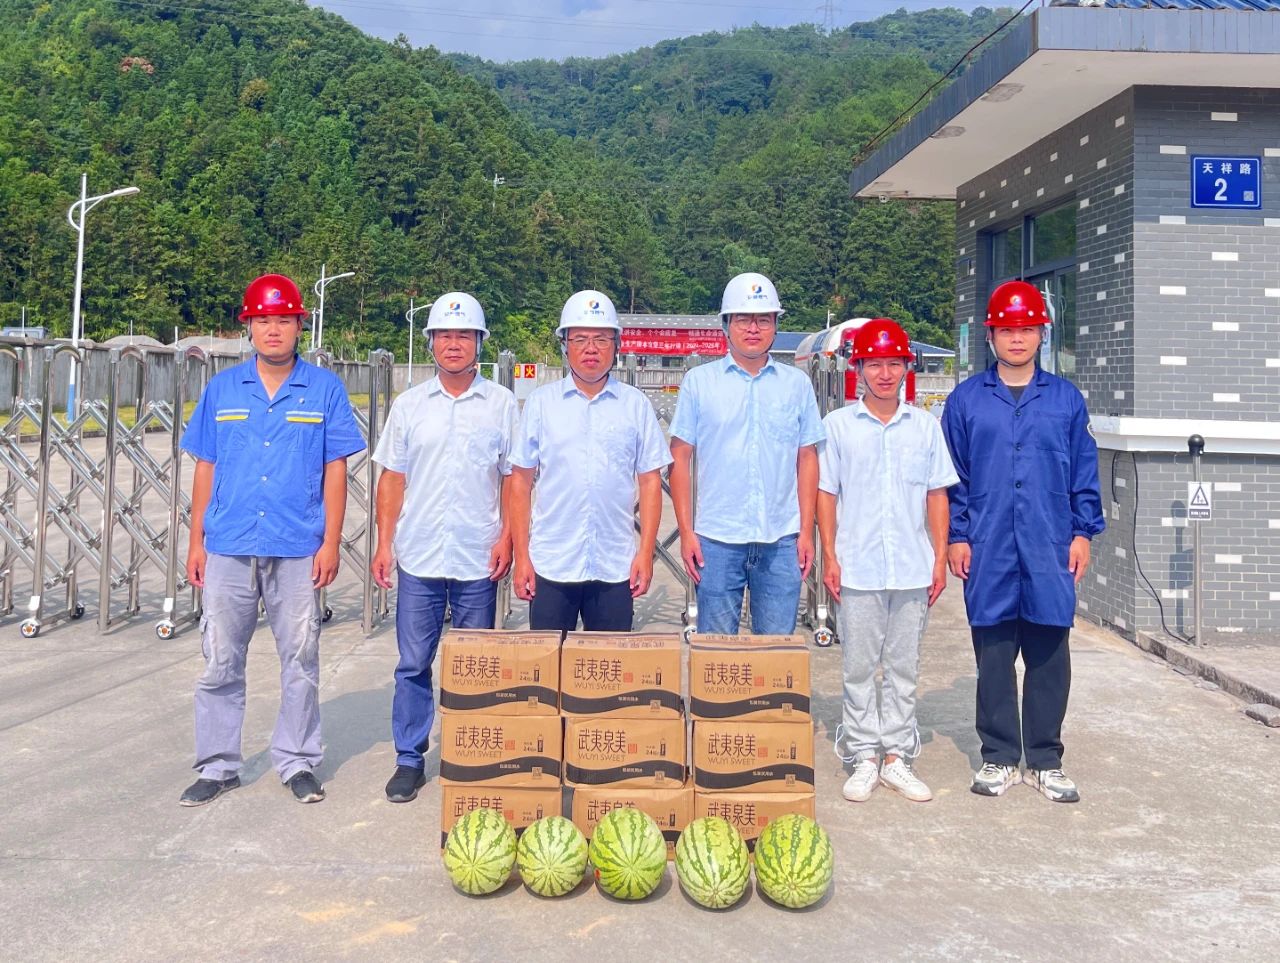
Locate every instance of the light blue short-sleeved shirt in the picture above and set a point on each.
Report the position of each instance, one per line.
(269, 456)
(880, 474)
(454, 454)
(587, 452)
(747, 432)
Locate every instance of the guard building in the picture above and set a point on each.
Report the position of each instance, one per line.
(1126, 160)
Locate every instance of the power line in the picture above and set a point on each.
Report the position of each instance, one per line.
(866, 148)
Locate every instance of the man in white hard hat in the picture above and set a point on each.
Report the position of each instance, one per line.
(444, 456)
(755, 427)
(594, 446)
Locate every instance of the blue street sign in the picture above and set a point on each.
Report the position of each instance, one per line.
(1226, 182)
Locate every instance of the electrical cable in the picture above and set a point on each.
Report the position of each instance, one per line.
(1151, 590)
(876, 138)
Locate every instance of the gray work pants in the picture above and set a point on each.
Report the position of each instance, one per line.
(233, 584)
(880, 630)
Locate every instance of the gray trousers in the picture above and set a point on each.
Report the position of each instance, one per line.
(880, 630)
(232, 587)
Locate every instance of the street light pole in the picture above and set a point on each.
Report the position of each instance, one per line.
(409, 317)
(320, 285)
(82, 208)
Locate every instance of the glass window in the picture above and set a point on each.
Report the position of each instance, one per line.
(1058, 354)
(1006, 253)
(1053, 235)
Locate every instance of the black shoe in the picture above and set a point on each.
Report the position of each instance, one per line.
(207, 790)
(306, 788)
(405, 783)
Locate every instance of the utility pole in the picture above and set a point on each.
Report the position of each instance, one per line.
(409, 317)
(828, 9)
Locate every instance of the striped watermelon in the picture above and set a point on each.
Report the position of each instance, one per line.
(552, 856)
(480, 851)
(628, 853)
(794, 861)
(711, 862)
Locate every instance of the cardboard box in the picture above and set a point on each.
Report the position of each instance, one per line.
(521, 807)
(601, 750)
(750, 812)
(737, 756)
(501, 750)
(672, 809)
(630, 676)
(758, 677)
(500, 673)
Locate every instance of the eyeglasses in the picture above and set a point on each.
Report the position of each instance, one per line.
(600, 341)
(762, 322)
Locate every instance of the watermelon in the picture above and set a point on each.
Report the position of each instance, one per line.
(794, 861)
(711, 863)
(628, 853)
(480, 851)
(552, 856)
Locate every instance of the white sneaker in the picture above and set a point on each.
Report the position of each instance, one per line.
(1053, 784)
(859, 786)
(994, 780)
(897, 775)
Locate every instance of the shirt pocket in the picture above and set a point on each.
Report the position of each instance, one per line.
(913, 464)
(305, 429)
(483, 447)
(1051, 431)
(781, 426)
(232, 428)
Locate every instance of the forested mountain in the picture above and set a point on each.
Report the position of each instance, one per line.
(267, 135)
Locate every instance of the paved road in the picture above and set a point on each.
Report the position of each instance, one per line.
(1171, 855)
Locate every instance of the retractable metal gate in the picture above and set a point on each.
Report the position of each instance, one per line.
(817, 607)
(98, 496)
(664, 406)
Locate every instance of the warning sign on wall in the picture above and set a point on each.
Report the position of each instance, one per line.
(1200, 501)
(526, 380)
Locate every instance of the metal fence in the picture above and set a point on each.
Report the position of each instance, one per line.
(99, 498)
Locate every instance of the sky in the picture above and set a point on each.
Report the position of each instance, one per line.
(554, 29)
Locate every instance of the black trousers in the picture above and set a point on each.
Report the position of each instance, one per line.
(1046, 658)
(603, 606)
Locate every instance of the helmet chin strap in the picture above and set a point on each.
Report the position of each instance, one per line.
(1031, 359)
(866, 383)
(474, 363)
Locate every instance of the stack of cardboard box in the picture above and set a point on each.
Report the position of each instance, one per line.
(625, 731)
(749, 697)
(501, 737)
(523, 713)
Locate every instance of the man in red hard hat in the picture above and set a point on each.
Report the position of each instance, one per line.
(1022, 517)
(882, 517)
(271, 438)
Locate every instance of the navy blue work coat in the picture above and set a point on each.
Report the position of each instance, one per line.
(1028, 486)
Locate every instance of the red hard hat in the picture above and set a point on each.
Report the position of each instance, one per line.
(1016, 304)
(881, 338)
(271, 294)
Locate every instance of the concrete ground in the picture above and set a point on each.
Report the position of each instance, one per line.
(1172, 854)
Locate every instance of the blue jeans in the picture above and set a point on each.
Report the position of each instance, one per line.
(770, 570)
(420, 608)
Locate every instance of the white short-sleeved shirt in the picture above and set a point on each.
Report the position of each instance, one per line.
(747, 432)
(453, 453)
(880, 474)
(587, 452)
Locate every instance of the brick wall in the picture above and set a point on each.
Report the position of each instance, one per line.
(1179, 317)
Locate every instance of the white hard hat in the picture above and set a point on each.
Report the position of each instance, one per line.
(750, 293)
(456, 311)
(588, 309)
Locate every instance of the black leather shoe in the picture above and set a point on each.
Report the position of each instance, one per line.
(305, 787)
(207, 790)
(404, 785)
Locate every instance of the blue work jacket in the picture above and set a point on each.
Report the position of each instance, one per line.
(1028, 486)
(269, 456)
